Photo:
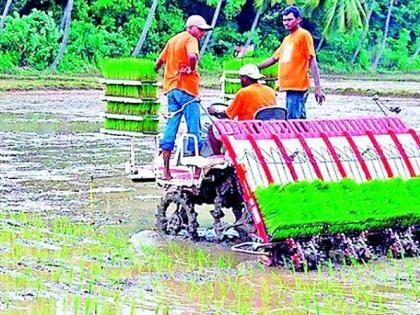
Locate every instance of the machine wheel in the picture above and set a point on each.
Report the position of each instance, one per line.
(181, 217)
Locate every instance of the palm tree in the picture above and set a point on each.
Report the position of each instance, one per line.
(363, 37)
(146, 28)
(342, 15)
(5, 11)
(213, 24)
(261, 6)
(67, 14)
(382, 48)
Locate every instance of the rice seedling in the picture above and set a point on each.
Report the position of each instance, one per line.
(231, 66)
(129, 69)
(143, 108)
(144, 91)
(236, 64)
(344, 206)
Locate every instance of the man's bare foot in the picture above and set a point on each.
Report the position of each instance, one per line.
(266, 260)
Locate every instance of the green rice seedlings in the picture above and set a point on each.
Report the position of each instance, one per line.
(232, 87)
(151, 107)
(129, 69)
(342, 205)
(148, 91)
(236, 64)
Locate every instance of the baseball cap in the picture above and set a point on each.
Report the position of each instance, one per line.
(251, 70)
(199, 21)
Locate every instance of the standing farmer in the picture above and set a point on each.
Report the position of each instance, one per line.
(180, 84)
(295, 55)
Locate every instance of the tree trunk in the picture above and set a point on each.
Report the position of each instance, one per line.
(382, 48)
(63, 18)
(3, 17)
(67, 14)
(146, 28)
(362, 39)
(318, 47)
(253, 27)
(213, 24)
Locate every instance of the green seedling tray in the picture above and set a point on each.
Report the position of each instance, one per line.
(308, 208)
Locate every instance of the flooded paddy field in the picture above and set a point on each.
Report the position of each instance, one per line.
(70, 239)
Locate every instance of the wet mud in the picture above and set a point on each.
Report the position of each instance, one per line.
(54, 163)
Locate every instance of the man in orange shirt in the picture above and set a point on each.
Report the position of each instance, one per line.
(248, 100)
(180, 84)
(295, 55)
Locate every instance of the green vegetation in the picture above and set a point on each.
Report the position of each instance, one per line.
(46, 81)
(236, 64)
(144, 108)
(129, 69)
(101, 29)
(58, 265)
(307, 208)
(146, 93)
(149, 124)
(143, 91)
(231, 87)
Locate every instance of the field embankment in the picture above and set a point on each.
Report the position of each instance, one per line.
(401, 85)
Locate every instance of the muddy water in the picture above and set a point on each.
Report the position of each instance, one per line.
(53, 159)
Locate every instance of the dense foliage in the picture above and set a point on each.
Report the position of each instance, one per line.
(307, 208)
(110, 28)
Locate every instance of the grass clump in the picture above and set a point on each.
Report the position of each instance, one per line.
(149, 124)
(144, 108)
(129, 69)
(307, 208)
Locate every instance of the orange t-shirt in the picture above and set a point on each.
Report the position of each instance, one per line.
(175, 56)
(293, 56)
(250, 99)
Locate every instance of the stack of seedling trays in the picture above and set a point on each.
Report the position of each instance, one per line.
(131, 96)
(230, 78)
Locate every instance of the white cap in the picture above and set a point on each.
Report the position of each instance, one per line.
(251, 70)
(199, 21)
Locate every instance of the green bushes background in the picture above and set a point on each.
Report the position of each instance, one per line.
(110, 28)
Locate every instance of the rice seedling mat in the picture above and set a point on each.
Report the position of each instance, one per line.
(308, 208)
(128, 117)
(130, 100)
(129, 82)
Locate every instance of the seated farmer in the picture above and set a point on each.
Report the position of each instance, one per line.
(248, 100)
(180, 84)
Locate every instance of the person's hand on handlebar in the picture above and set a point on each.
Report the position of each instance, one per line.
(215, 110)
(211, 110)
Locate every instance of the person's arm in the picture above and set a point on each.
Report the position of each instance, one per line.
(193, 60)
(319, 96)
(266, 63)
(159, 63)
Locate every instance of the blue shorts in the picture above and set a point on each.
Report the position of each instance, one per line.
(176, 99)
(295, 104)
